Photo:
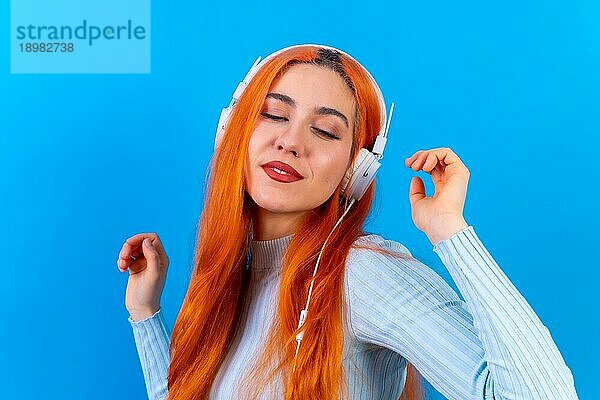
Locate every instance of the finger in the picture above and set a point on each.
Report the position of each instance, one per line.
(151, 255)
(418, 162)
(416, 191)
(156, 243)
(132, 245)
(128, 251)
(437, 173)
(123, 264)
(127, 255)
(447, 156)
(137, 266)
(135, 242)
(149, 258)
(162, 254)
(409, 160)
(430, 162)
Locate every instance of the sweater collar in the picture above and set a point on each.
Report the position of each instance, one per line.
(268, 254)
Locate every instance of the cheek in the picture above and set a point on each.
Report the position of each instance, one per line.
(333, 168)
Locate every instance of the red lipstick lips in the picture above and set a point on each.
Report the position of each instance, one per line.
(281, 172)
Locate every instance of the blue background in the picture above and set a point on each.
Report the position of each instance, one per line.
(89, 160)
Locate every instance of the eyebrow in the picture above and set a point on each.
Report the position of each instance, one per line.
(318, 110)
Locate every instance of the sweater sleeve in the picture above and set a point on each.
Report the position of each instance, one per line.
(491, 345)
(152, 340)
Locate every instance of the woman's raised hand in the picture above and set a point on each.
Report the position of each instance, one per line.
(145, 258)
(441, 215)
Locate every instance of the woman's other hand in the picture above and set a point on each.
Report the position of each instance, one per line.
(145, 258)
(441, 215)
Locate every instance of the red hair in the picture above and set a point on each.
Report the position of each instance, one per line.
(211, 308)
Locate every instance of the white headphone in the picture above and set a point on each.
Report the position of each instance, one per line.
(357, 178)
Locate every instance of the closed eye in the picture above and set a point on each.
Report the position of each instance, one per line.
(277, 118)
(271, 116)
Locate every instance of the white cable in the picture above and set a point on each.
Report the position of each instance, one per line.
(304, 312)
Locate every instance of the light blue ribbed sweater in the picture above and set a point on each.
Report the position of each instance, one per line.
(491, 345)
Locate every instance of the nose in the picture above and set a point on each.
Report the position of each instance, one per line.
(286, 148)
(290, 140)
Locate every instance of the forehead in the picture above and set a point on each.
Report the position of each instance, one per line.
(314, 85)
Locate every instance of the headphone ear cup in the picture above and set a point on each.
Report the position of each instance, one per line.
(350, 172)
(360, 175)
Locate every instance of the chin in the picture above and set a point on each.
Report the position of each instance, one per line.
(275, 203)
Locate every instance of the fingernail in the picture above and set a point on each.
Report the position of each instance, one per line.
(147, 242)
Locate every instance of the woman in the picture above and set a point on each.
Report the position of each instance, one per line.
(379, 318)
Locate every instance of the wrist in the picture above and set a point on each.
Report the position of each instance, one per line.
(445, 227)
(140, 314)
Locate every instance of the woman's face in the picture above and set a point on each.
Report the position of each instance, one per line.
(302, 107)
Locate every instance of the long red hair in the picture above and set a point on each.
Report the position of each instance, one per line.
(212, 305)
